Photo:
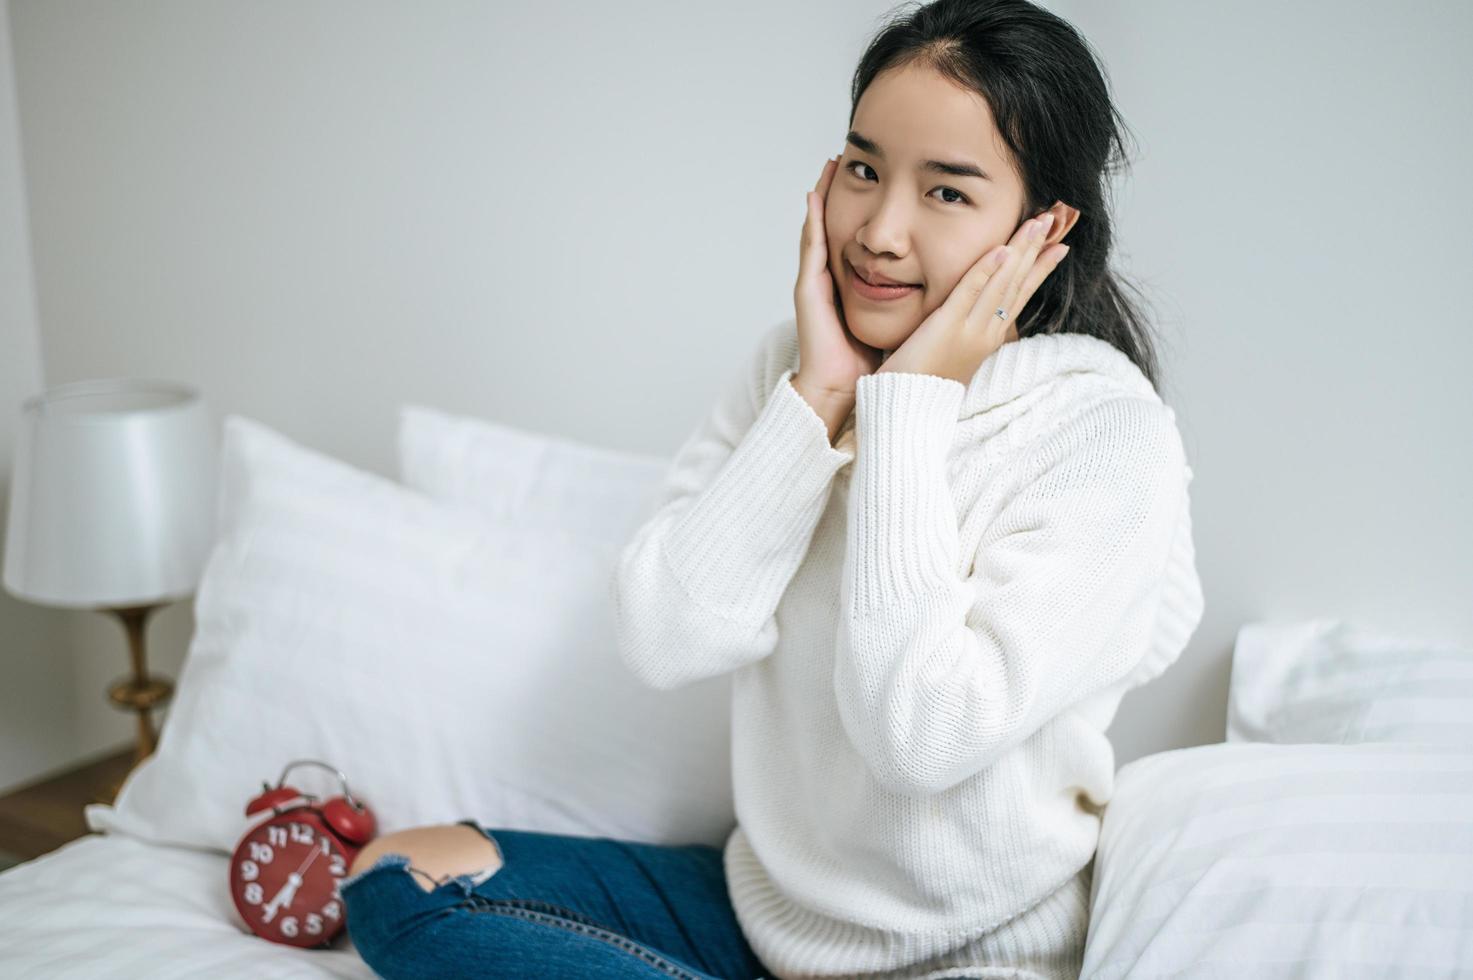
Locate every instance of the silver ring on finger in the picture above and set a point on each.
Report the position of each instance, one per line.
(1000, 313)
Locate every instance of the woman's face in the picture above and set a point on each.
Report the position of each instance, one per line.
(890, 210)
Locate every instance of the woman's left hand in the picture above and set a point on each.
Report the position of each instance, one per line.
(964, 330)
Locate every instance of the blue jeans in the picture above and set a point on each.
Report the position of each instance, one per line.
(559, 906)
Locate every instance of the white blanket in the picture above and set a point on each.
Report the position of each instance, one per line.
(113, 906)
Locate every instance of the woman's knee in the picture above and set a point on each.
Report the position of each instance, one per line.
(436, 853)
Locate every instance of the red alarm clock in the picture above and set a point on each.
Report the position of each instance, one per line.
(285, 871)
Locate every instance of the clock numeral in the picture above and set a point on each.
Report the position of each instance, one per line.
(331, 909)
(301, 833)
(262, 853)
(314, 923)
(276, 835)
(249, 870)
(289, 926)
(253, 893)
(339, 867)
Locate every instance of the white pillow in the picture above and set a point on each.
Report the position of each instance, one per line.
(1285, 861)
(1326, 680)
(602, 495)
(451, 665)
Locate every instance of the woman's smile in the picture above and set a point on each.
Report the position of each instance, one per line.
(879, 294)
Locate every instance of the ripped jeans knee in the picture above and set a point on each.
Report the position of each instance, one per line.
(392, 861)
(397, 862)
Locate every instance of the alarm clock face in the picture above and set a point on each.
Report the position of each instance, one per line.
(284, 879)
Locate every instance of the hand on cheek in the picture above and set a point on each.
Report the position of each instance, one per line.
(966, 329)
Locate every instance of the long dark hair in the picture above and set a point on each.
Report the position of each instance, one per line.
(1049, 94)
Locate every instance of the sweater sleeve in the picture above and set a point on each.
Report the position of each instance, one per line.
(697, 587)
(937, 674)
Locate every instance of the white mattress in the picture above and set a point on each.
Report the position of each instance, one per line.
(114, 906)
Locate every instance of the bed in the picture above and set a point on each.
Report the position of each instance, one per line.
(381, 626)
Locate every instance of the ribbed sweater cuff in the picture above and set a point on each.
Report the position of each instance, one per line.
(746, 533)
(903, 524)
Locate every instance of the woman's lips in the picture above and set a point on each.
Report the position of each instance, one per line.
(878, 293)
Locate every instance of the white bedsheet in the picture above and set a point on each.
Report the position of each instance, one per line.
(113, 906)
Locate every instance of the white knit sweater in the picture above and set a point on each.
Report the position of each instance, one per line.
(927, 644)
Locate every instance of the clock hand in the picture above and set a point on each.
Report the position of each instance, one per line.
(310, 858)
(289, 890)
(283, 897)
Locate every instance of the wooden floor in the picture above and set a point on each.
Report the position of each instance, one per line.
(40, 817)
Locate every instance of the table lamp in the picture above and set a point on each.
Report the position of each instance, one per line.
(112, 504)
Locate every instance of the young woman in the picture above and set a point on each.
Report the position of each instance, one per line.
(934, 532)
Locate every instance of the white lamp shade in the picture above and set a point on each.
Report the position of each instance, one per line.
(112, 497)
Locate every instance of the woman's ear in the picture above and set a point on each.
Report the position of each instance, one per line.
(1064, 219)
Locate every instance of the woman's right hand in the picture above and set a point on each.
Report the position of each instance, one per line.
(831, 360)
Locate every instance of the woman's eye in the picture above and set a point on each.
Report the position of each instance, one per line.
(861, 163)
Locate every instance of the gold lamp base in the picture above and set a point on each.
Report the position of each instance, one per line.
(139, 692)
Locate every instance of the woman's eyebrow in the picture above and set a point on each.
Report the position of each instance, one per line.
(962, 169)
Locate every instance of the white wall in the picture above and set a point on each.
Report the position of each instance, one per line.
(1299, 212)
(317, 212)
(37, 707)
